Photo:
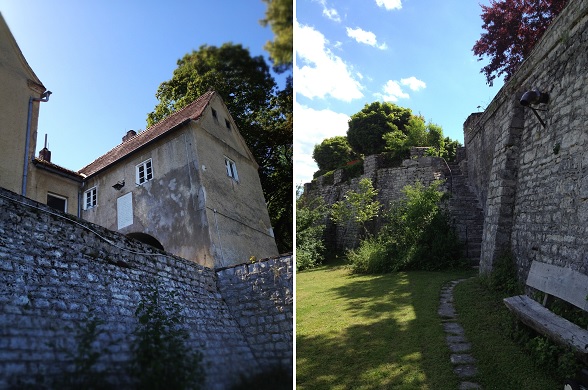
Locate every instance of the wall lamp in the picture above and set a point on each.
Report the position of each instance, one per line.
(119, 185)
(532, 98)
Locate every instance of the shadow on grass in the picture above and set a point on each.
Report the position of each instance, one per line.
(383, 332)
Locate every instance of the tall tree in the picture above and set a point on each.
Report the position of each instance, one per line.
(279, 15)
(262, 112)
(332, 153)
(512, 29)
(367, 127)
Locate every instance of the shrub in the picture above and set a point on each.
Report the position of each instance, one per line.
(503, 277)
(416, 235)
(371, 257)
(310, 226)
(163, 359)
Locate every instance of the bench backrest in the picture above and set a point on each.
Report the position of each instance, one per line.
(564, 283)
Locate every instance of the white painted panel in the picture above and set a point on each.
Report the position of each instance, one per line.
(124, 210)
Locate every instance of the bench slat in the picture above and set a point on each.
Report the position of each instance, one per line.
(564, 283)
(546, 322)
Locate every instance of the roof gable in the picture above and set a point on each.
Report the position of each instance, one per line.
(192, 111)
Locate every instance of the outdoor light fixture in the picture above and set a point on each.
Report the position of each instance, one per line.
(532, 98)
(119, 185)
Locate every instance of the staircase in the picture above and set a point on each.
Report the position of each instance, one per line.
(465, 214)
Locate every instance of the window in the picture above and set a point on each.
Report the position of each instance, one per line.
(214, 114)
(228, 124)
(57, 202)
(231, 168)
(144, 172)
(90, 198)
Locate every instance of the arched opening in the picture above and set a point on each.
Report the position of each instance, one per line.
(146, 239)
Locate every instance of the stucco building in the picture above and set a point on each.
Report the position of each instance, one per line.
(188, 184)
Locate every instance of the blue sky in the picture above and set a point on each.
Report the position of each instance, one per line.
(104, 60)
(414, 53)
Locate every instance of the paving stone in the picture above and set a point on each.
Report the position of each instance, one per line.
(446, 310)
(465, 371)
(469, 386)
(453, 328)
(460, 347)
(454, 339)
(462, 358)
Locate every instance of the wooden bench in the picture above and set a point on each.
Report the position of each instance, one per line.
(563, 283)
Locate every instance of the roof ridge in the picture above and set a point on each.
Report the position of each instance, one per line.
(163, 126)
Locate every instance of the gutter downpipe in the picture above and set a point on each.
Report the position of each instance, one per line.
(44, 98)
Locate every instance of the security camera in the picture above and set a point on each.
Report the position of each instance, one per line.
(534, 97)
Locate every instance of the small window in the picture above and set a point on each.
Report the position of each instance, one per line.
(231, 168)
(214, 113)
(57, 202)
(144, 172)
(228, 124)
(90, 198)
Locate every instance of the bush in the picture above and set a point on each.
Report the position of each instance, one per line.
(503, 277)
(371, 257)
(417, 235)
(310, 226)
(163, 358)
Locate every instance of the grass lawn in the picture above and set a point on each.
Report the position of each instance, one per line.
(502, 363)
(371, 332)
(383, 332)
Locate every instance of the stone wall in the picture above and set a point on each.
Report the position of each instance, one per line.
(388, 181)
(260, 297)
(533, 180)
(56, 270)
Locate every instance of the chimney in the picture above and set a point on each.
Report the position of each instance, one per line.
(45, 154)
(130, 134)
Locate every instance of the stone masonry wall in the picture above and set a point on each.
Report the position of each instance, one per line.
(55, 271)
(533, 180)
(260, 298)
(388, 181)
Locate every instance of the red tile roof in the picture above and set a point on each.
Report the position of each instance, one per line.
(39, 162)
(192, 111)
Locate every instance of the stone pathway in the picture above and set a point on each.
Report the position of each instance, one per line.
(464, 364)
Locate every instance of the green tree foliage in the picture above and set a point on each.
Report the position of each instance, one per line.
(367, 127)
(357, 207)
(310, 226)
(417, 133)
(417, 235)
(279, 15)
(333, 153)
(262, 113)
(163, 358)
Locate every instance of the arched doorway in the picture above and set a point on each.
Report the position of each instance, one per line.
(146, 239)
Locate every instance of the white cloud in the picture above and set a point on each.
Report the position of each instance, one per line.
(366, 37)
(330, 13)
(393, 91)
(413, 83)
(311, 127)
(389, 4)
(323, 73)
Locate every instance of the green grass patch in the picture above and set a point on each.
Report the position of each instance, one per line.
(371, 332)
(501, 362)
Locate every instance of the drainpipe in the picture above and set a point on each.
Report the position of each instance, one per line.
(44, 98)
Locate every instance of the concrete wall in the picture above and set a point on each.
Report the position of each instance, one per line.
(170, 207)
(533, 180)
(55, 271)
(236, 209)
(18, 83)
